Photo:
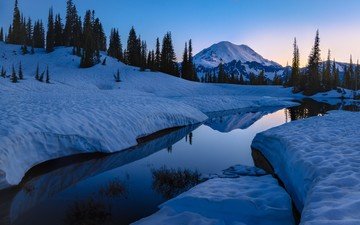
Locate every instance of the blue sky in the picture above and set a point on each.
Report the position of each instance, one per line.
(267, 26)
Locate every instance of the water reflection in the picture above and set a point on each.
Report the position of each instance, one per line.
(172, 182)
(310, 108)
(88, 212)
(133, 183)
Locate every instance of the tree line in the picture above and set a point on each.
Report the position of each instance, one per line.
(320, 76)
(87, 38)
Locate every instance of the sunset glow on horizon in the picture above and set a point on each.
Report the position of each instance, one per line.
(268, 27)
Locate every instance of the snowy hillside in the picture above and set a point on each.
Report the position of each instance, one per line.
(226, 52)
(85, 110)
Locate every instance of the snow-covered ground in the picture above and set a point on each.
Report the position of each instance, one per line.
(245, 200)
(84, 110)
(318, 159)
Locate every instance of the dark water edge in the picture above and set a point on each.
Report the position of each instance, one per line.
(119, 188)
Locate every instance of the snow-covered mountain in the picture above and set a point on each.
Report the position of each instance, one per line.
(237, 59)
(226, 52)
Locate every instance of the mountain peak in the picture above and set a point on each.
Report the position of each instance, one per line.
(226, 52)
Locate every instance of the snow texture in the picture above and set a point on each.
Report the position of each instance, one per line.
(318, 159)
(246, 200)
(84, 110)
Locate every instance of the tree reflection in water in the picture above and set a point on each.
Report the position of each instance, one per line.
(172, 182)
(88, 212)
(114, 188)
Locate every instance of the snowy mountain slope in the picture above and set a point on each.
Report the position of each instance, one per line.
(237, 60)
(84, 110)
(226, 52)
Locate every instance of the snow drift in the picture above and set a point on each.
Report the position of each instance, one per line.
(318, 159)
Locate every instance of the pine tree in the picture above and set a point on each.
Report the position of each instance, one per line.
(99, 35)
(1, 34)
(262, 78)
(167, 63)
(89, 52)
(222, 77)
(50, 32)
(14, 34)
(143, 64)
(13, 77)
(117, 76)
(41, 78)
(3, 72)
(38, 35)
(192, 67)
(115, 47)
(21, 75)
(349, 75)
(313, 75)
(356, 76)
(71, 35)
(29, 32)
(58, 32)
(157, 56)
(37, 73)
(47, 75)
(295, 69)
(327, 82)
(335, 75)
(185, 64)
(241, 80)
(133, 51)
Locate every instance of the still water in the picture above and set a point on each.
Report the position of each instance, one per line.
(120, 188)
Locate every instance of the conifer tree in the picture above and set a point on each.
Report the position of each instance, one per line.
(99, 35)
(349, 75)
(295, 69)
(222, 77)
(1, 34)
(115, 47)
(29, 32)
(47, 75)
(168, 64)
(185, 64)
(327, 73)
(71, 37)
(157, 56)
(143, 65)
(117, 76)
(313, 75)
(21, 75)
(241, 80)
(88, 57)
(192, 67)
(262, 78)
(41, 78)
(356, 76)
(13, 77)
(14, 34)
(38, 35)
(37, 73)
(133, 48)
(3, 72)
(58, 32)
(335, 75)
(50, 32)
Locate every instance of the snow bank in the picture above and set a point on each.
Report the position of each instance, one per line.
(84, 110)
(245, 200)
(318, 159)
